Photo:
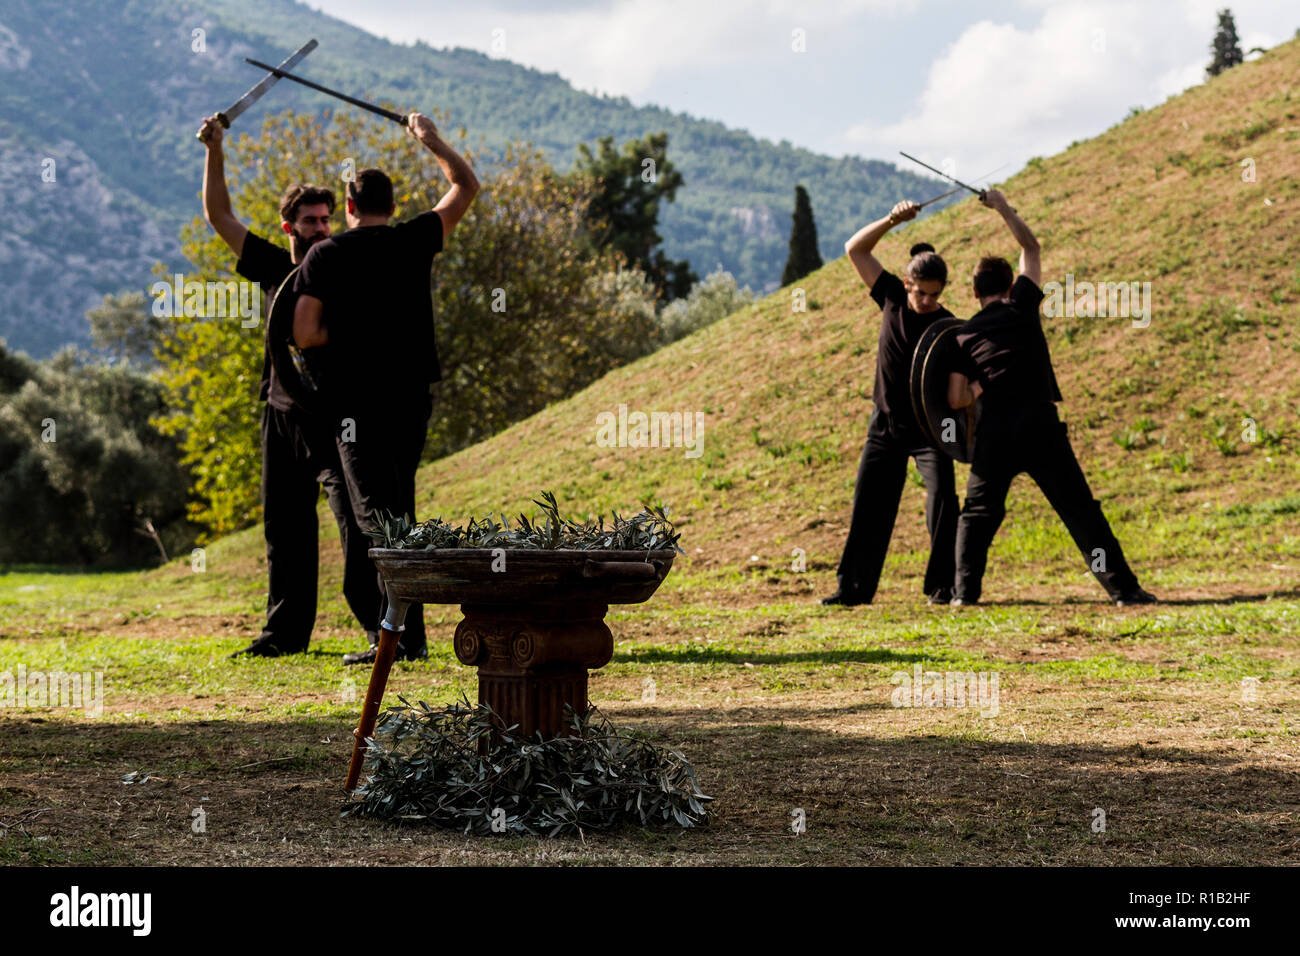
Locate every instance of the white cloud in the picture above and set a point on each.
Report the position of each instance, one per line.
(625, 47)
(877, 76)
(1001, 93)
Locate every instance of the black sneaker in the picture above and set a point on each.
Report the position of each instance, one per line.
(264, 647)
(839, 598)
(1136, 596)
(368, 655)
(963, 602)
(940, 596)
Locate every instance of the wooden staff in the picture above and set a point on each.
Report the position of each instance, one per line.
(390, 633)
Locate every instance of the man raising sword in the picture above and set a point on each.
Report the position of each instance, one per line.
(1005, 360)
(366, 295)
(908, 307)
(298, 453)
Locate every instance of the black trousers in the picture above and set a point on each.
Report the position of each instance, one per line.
(379, 449)
(1033, 440)
(298, 459)
(881, 474)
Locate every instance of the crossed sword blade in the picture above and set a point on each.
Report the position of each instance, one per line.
(397, 118)
(252, 96)
(960, 185)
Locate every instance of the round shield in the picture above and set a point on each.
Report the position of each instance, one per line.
(950, 430)
(297, 372)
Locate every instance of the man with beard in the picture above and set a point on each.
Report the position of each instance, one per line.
(1005, 360)
(366, 294)
(298, 451)
(908, 307)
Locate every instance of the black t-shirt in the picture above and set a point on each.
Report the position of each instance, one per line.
(900, 330)
(268, 265)
(1006, 352)
(378, 307)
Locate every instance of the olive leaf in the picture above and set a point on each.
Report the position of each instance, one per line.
(458, 768)
(650, 530)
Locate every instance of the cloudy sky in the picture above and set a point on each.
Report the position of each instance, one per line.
(977, 83)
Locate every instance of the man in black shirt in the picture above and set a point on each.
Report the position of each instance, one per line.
(1006, 360)
(366, 295)
(908, 307)
(298, 452)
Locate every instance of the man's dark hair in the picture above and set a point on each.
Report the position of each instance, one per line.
(372, 192)
(993, 276)
(927, 266)
(919, 248)
(303, 194)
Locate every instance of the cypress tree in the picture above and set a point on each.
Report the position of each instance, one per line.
(804, 257)
(1225, 48)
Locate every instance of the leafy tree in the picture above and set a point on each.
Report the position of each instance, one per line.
(626, 188)
(521, 318)
(15, 369)
(82, 472)
(628, 295)
(804, 257)
(526, 314)
(1225, 48)
(125, 326)
(714, 298)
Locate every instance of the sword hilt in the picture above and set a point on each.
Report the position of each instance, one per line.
(222, 119)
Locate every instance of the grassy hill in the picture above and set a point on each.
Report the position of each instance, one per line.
(779, 702)
(114, 92)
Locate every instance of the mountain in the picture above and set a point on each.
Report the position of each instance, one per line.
(112, 95)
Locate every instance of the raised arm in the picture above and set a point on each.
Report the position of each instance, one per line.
(1030, 255)
(216, 201)
(865, 239)
(464, 184)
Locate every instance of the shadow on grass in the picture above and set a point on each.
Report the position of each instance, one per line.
(272, 791)
(74, 569)
(707, 655)
(1289, 594)
(309, 654)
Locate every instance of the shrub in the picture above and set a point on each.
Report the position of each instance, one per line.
(713, 298)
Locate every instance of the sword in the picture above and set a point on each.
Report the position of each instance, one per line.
(253, 95)
(959, 185)
(388, 114)
(951, 179)
(937, 198)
